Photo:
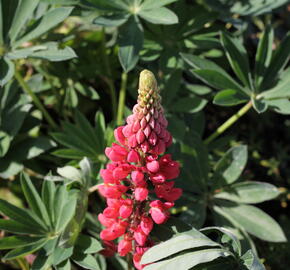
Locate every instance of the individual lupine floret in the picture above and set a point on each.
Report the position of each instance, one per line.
(136, 165)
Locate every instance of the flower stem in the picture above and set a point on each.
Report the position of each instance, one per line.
(112, 90)
(26, 88)
(234, 118)
(122, 98)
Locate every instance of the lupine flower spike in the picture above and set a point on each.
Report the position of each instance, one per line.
(139, 171)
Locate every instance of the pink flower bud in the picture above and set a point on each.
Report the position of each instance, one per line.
(107, 222)
(153, 166)
(140, 236)
(138, 178)
(141, 193)
(111, 212)
(140, 136)
(124, 247)
(146, 225)
(133, 156)
(119, 136)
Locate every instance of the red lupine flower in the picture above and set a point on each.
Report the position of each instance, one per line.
(136, 166)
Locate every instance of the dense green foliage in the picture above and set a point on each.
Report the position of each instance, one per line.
(69, 75)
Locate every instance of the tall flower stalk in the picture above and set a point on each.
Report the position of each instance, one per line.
(136, 185)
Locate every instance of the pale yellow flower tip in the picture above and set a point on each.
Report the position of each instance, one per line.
(147, 81)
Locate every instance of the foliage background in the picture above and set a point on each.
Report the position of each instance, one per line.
(83, 66)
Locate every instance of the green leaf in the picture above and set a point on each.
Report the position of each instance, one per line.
(8, 10)
(1, 25)
(6, 70)
(188, 260)
(181, 242)
(113, 20)
(152, 4)
(23, 12)
(189, 104)
(232, 238)
(86, 261)
(279, 60)
(22, 251)
(17, 241)
(251, 261)
(160, 15)
(238, 58)
(255, 221)
(200, 63)
(53, 53)
(61, 254)
(66, 265)
(87, 244)
(86, 128)
(70, 173)
(47, 195)
(230, 166)
(69, 153)
(87, 91)
(130, 43)
(34, 199)
(196, 164)
(259, 105)
(264, 54)
(20, 228)
(20, 215)
(229, 97)
(281, 90)
(249, 192)
(281, 106)
(198, 89)
(218, 80)
(48, 21)
(41, 262)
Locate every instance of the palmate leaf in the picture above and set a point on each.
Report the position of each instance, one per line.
(6, 70)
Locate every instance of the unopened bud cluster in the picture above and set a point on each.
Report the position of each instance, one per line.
(139, 171)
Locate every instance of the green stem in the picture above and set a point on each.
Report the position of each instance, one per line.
(221, 129)
(35, 99)
(22, 263)
(122, 98)
(109, 81)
